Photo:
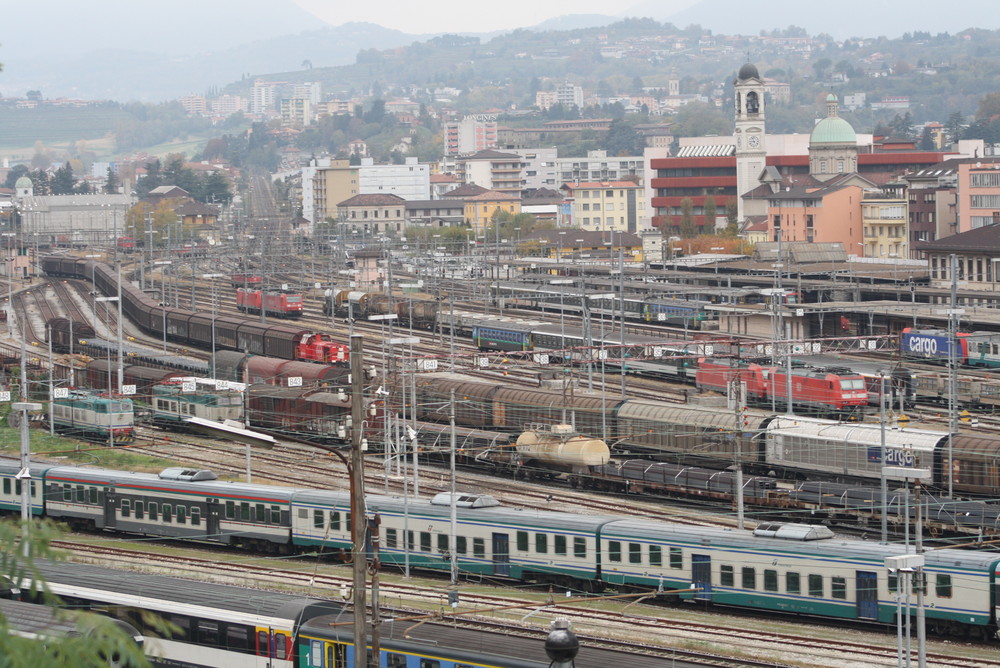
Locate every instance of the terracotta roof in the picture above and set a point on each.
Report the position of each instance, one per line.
(980, 239)
(493, 196)
(467, 190)
(193, 208)
(444, 178)
(373, 199)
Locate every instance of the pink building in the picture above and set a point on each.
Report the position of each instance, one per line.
(978, 193)
(831, 214)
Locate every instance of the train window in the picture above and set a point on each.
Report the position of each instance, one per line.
(275, 515)
(838, 588)
(168, 512)
(335, 521)
(943, 586)
(770, 580)
(67, 493)
(236, 638)
(93, 496)
(390, 538)
(430, 663)
(635, 553)
(541, 543)
(263, 643)
(442, 542)
(303, 512)
(319, 519)
(792, 584)
(183, 624)
(409, 541)
(316, 654)
(261, 515)
(208, 633)
(560, 545)
(749, 576)
(126, 508)
(195, 516)
(244, 512)
(479, 548)
(580, 548)
(81, 494)
(140, 510)
(726, 576)
(393, 660)
(230, 510)
(347, 522)
(6, 485)
(153, 508)
(614, 550)
(425, 541)
(181, 514)
(815, 585)
(461, 545)
(676, 558)
(522, 541)
(655, 555)
(920, 583)
(282, 647)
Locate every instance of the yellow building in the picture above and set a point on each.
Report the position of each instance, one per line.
(886, 228)
(479, 209)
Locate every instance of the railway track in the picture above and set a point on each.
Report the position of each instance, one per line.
(655, 630)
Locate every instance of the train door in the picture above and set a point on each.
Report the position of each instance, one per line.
(110, 506)
(701, 576)
(867, 594)
(501, 554)
(214, 510)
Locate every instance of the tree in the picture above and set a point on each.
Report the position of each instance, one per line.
(927, 141)
(63, 181)
(732, 218)
(16, 172)
(955, 125)
(821, 66)
(98, 638)
(111, 182)
(710, 211)
(989, 106)
(902, 126)
(622, 139)
(687, 227)
(40, 182)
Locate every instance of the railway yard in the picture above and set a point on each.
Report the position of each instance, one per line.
(612, 438)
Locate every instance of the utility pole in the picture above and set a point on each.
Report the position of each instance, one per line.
(358, 521)
(452, 545)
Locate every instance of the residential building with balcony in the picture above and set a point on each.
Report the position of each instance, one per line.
(475, 132)
(606, 205)
(326, 183)
(886, 225)
(493, 170)
(978, 184)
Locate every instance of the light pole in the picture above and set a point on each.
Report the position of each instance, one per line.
(717, 248)
(213, 277)
(163, 299)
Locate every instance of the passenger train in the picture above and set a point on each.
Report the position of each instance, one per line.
(798, 569)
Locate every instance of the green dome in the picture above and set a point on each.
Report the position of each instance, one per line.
(833, 130)
(23, 182)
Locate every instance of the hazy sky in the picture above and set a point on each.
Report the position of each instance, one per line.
(462, 15)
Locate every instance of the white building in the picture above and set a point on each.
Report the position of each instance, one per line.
(263, 96)
(475, 132)
(597, 166)
(411, 180)
(309, 90)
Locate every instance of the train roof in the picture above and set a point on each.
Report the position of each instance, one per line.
(707, 538)
(686, 414)
(162, 593)
(230, 491)
(859, 366)
(471, 646)
(515, 518)
(831, 431)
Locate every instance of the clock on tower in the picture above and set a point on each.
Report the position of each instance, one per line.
(754, 141)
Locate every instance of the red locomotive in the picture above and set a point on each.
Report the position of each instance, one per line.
(830, 390)
(278, 303)
(245, 280)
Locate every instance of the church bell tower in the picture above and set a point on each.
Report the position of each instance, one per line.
(749, 131)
